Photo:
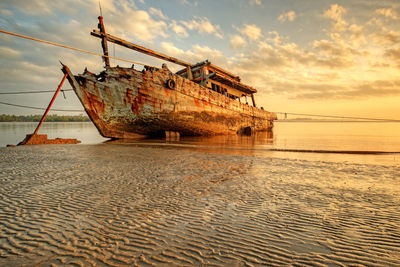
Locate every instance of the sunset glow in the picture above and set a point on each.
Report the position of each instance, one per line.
(330, 57)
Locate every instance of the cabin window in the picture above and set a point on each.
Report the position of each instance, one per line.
(218, 88)
(213, 87)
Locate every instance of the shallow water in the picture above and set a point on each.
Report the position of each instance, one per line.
(126, 205)
(291, 137)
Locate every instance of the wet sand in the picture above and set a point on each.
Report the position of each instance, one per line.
(127, 205)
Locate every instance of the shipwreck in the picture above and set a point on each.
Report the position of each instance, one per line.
(200, 99)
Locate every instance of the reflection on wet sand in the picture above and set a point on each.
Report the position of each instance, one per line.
(126, 205)
(266, 144)
(223, 141)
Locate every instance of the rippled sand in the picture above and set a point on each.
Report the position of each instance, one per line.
(116, 205)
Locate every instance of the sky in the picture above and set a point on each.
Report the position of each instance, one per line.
(303, 56)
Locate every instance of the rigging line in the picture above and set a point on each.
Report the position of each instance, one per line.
(69, 47)
(33, 92)
(338, 117)
(23, 106)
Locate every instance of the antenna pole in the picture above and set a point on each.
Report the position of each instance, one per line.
(101, 13)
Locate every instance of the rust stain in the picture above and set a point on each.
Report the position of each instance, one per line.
(197, 103)
(135, 107)
(167, 92)
(128, 96)
(97, 105)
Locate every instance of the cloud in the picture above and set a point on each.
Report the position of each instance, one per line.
(195, 54)
(178, 29)
(386, 37)
(157, 12)
(40, 8)
(172, 50)
(6, 12)
(357, 37)
(186, 2)
(34, 7)
(253, 32)
(331, 48)
(387, 12)
(346, 65)
(203, 26)
(205, 52)
(341, 31)
(376, 88)
(7, 52)
(256, 2)
(356, 28)
(238, 42)
(335, 13)
(288, 16)
(393, 54)
(143, 27)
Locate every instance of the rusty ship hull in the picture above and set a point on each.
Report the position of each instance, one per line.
(127, 103)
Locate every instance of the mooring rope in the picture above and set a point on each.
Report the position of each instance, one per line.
(33, 92)
(337, 117)
(70, 47)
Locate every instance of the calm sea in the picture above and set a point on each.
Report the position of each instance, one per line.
(326, 141)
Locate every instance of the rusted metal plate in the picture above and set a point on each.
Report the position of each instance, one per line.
(125, 103)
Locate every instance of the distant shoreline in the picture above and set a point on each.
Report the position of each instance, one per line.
(49, 118)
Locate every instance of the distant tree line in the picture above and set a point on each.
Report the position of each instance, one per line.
(49, 118)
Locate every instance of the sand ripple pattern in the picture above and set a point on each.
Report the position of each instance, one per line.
(120, 205)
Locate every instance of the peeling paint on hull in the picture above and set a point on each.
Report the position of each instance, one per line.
(126, 103)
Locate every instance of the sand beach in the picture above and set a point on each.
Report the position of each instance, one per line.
(137, 205)
(211, 133)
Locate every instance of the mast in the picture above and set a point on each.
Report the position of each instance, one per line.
(102, 29)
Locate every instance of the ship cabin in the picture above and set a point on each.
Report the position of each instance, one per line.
(219, 80)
